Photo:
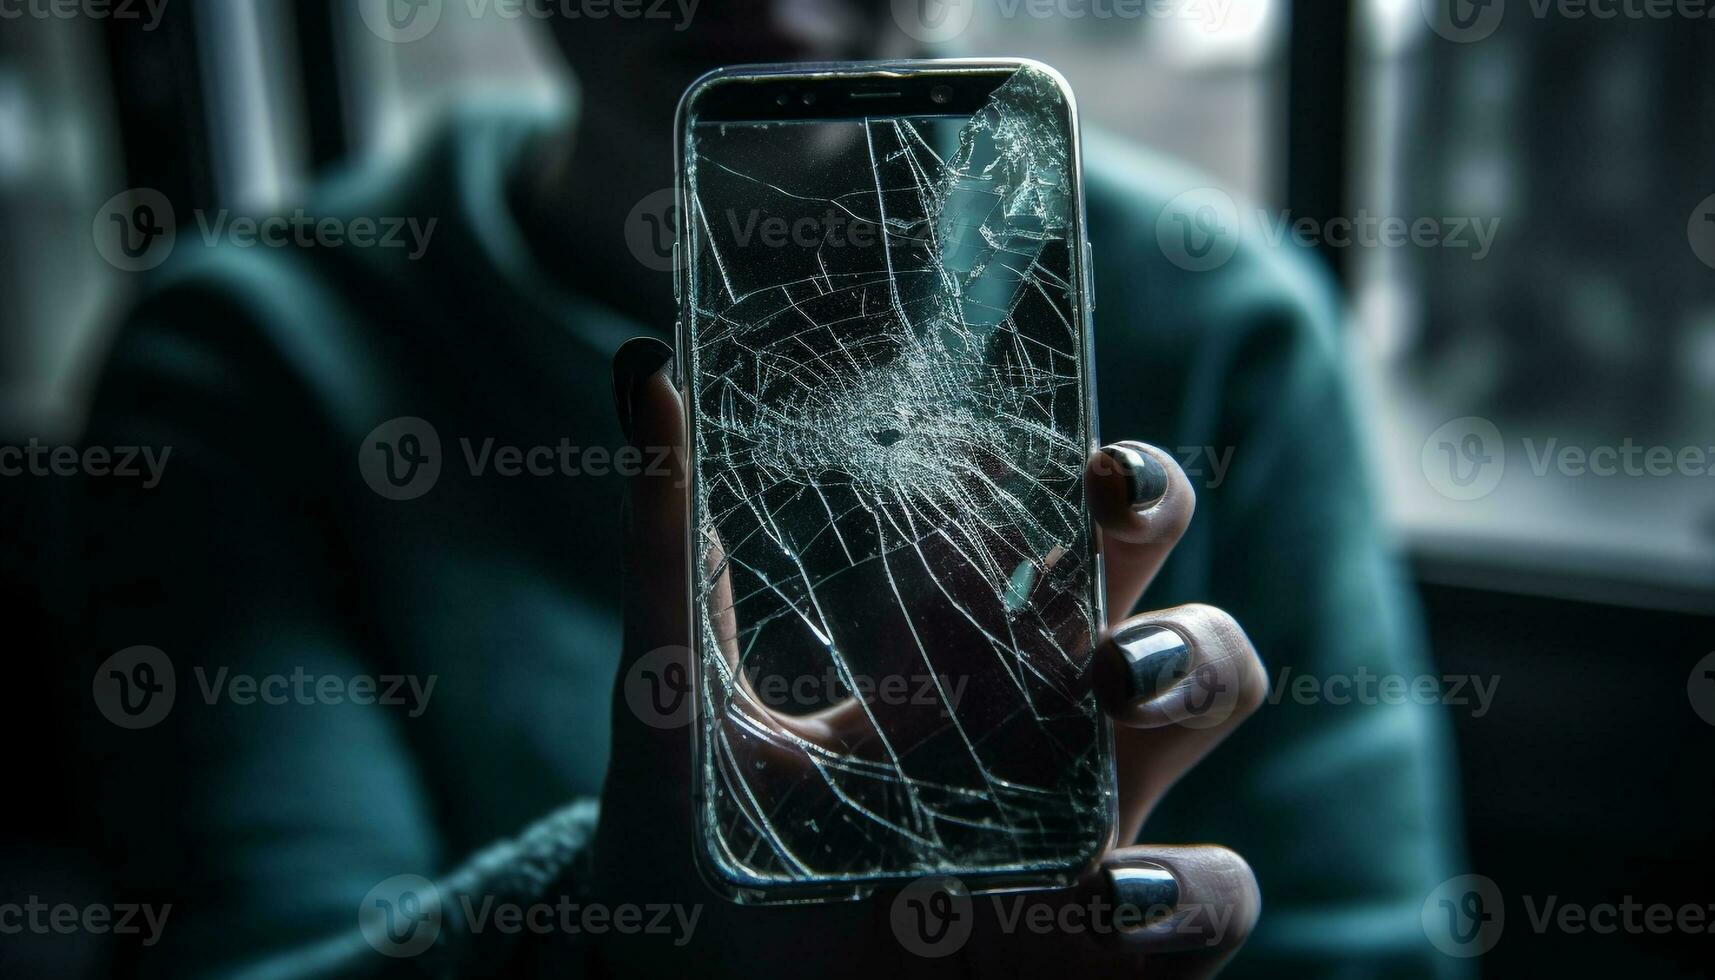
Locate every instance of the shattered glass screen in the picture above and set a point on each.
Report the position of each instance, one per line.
(897, 587)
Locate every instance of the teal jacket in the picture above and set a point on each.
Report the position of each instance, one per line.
(264, 551)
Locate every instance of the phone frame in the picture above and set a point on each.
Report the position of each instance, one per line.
(912, 84)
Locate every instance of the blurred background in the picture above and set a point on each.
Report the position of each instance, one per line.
(1589, 323)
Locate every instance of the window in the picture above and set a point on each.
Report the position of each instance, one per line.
(1579, 348)
(1197, 81)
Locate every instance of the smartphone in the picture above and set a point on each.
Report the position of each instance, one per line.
(884, 294)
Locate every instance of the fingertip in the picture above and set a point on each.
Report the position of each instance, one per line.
(1143, 476)
(1189, 667)
(1213, 894)
(635, 362)
(1139, 493)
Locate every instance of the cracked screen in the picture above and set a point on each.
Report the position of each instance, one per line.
(896, 581)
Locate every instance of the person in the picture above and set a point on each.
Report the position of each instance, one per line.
(507, 766)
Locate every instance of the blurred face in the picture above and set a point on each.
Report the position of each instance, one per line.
(637, 67)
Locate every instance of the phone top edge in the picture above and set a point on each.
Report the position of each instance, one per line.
(812, 71)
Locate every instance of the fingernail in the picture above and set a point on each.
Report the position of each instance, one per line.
(1150, 889)
(636, 360)
(1155, 657)
(1145, 477)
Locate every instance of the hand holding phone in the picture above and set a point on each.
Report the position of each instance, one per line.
(785, 381)
(1140, 901)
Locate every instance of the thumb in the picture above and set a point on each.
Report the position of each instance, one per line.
(653, 698)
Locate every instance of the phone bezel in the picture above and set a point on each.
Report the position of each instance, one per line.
(750, 93)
